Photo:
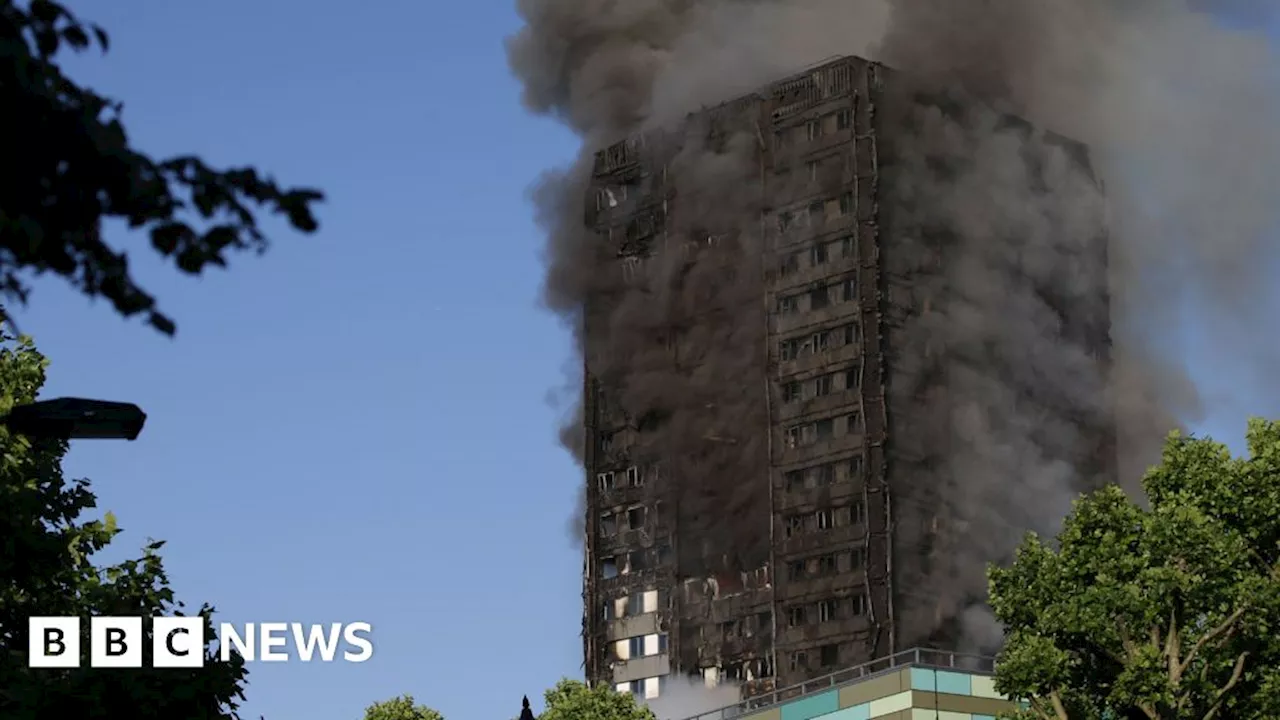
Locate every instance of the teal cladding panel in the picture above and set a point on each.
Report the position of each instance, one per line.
(954, 683)
(923, 680)
(811, 707)
(857, 712)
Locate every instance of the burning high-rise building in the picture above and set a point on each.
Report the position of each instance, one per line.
(821, 393)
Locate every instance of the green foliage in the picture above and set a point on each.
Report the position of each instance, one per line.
(1171, 612)
(46, 568)
(401, 708)
(71, 166)
(573, 700)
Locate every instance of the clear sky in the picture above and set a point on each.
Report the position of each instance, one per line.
(355, 426)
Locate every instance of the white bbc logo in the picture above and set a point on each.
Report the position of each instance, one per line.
(115, 642)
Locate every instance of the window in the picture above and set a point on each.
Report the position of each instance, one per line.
(824, 475)
(604, 481)
(848, 247)
(858, 512)
(827, 565)
(766, 667)
(664, 553)
(634, 478)
(790, 264)
(819, 298)
(786, 220)
(811, 170)
(608, 610)
(790, 391)
(609, 567)
(822, 519)
(635, 646)
(844, 516)
(606, 444)
(858, 605)
(795, 436)
(637, 560)
(850, 334)
(848, 290)
(821, 341)
(795, 616)
(844, 119)
(635, 517)
(799, 661)
(662, 643)
(608, 524)
(794, 480)
(788, 349)
(795, 570)
(781, 139)
(846, 204)
(610, 197)
(855, 467)
(853, 422)
(829, 655)
(827, 610)
(795, 525)
(764, 621)
(858, 558)
(635, 604)
(853, 377)
(636, 687)
(822, 386)
(815, 129)
(729, 628)
(787, 305)
(817, 216)
(824, 428)
(818, 254)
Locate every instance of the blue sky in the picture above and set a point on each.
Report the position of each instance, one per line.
(355, 426)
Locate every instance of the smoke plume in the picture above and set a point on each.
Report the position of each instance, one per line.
(1180, 114)
(685, 697)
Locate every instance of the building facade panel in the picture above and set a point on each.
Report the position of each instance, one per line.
(816, 561)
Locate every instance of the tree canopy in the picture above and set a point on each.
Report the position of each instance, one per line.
(574, 700)
(1162, 613)
(71, 167)
(400, 708)
(46, 568)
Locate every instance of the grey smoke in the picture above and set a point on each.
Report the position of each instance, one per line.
(1180, 112)
(687, 697)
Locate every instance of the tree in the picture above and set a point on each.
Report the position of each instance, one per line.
(574, 700)
(400, 708)
(1167, 612)
(70, 166)
(46, 568)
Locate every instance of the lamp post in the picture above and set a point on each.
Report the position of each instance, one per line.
(76, 419)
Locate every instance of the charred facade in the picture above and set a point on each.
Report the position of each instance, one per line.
(827, 496)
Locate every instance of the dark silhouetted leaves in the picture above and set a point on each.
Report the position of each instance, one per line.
(48, 544)
(71, 167)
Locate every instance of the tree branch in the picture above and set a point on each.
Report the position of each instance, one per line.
(1224, 628)
(1058, 707)
(1221, 694)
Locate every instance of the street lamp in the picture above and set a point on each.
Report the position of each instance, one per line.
(76, 419)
